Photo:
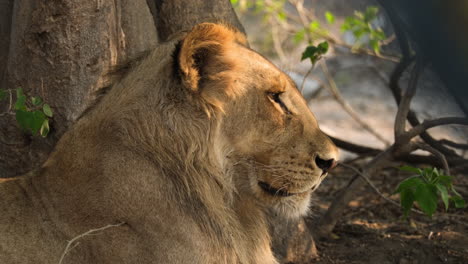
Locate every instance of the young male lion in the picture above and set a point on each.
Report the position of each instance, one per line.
(176, 164)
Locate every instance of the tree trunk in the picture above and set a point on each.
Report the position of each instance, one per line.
(59, 51)
(177, 15)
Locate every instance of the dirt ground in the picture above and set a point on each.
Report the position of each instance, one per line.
(372, 230)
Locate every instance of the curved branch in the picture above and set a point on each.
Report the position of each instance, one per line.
(453, 144)
(417, 130)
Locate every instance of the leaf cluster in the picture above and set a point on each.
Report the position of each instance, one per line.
(32, 115)
(361, 25)
(425, 188)
(315, 53)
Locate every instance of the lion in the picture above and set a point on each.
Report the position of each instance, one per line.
(177, 163)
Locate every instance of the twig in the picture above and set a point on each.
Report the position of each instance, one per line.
(276, 42)
(70, 245)
(369, 182)
(305, 77)
(436, 153)
(337, 95)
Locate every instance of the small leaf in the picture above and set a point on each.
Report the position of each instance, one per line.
(371, 13)
(330, 17)
(322, 48)
(47, 110)
(44, 131)
(38, 120)
(426, 197)
(234, 2)
(20, 100)
(36, 100)
(458, 201)
(299, 36)
(374, 45)
(24, 119)
(309, 52)
(443, 194)
(410, 183)
(314, 26)
(406, 200)
(282, 16)
(411, 169)
(445, 180)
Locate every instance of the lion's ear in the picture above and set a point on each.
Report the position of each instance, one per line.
(201, 52)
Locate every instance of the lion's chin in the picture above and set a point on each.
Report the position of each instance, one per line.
(287, 204)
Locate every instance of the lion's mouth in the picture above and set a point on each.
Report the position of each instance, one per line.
(273, 191)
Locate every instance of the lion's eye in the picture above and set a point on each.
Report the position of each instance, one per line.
(275, 96)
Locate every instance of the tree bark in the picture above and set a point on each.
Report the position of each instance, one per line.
(172, 16)
(59, 51)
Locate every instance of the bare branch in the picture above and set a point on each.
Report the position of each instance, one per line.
(337, 95)
(453, 144)
(436, 153)
(358, 149)
(417, 130)
(404, 105)
(70, 245)
(305, 77)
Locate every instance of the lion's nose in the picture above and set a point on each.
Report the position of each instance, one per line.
(325, 165)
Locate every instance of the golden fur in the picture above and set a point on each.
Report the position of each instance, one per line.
(174, 155)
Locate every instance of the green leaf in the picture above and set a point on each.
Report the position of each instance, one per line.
(322, 48)
(378, 34)
(445, 180)
(24, 119)
(234, 2)
(411, 169)
(458, 201)
(282, 16)
(371, 13)
(47, 110)
(406, 200)
(36, 100)
(410, 183)
(374, 45)
(443, 194)
(309, 52)
(299, 36)
(38, 120)
(3, 94)
(426, 197)
(20, 100)
(44, 131)
(314, 26)
(330, 17)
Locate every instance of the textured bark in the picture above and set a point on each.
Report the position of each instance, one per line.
(173, 16)
(6, 8)
(59, 51)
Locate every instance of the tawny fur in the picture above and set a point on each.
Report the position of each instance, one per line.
(174, 151)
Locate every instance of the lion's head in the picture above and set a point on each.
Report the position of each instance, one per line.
(266, 134)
